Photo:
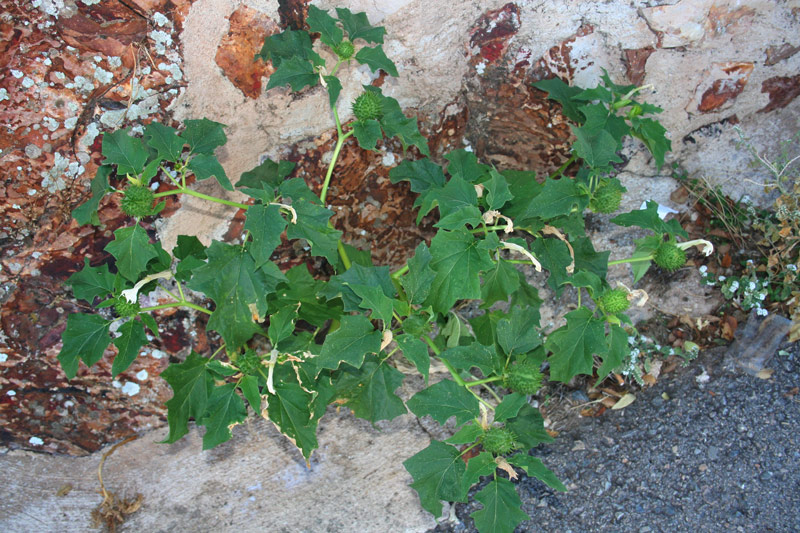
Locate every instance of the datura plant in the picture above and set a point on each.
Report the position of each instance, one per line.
(292, 344)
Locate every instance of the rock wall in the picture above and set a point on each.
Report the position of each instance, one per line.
(73, 69)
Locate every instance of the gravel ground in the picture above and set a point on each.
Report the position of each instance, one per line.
(723, 455)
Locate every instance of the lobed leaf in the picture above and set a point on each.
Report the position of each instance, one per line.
(87, 212)
(86, 337)
(438, 473)
(191, 384)
(443, 400)
(132, 249)
(129, 343)
(502, 508)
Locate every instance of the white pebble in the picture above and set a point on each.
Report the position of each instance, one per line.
(130, 388)
(36, 441)
(142, 375)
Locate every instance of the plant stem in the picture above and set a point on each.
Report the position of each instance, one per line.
(398, 273)
(630, 260)
(183, 303)
(487, 229)
(190, 192)
(563, 167)
(481, 381)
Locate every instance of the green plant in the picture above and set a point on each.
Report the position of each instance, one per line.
(293, 344)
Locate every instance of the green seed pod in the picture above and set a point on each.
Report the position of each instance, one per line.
(368, 106)
(524, 378)
(123, 308)
(614, 301)
(137, 201)
(344, 50)
(606, 198)
(498, 441)
(669, 256)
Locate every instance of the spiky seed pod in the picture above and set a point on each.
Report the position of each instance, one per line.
(606, 199)
(669, 257)
(344, 50)
(524, 378)
(614, 301)
(368, 106)
(137, 201)
(498, 441)
(123, 308)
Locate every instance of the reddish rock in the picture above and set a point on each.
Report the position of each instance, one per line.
(781, 90)
(244, 39)
(776, 54)
(725, 82)
(107, 27)
(635, 60)
(559, 61)
(293, 14)
(492, 32)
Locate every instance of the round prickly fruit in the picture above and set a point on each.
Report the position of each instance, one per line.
(498, 441)
(614, 301)
(137, 201)
(123, 308)
(606, 199)
(669, 256)
(345, 50)
(368, 106)
(524, 378)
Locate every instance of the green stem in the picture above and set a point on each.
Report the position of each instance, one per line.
(493, 393)
(175, 304)
(196, 194)
(563, 167)
(336, 150)
(487, 229)
(217, 352)
(398, 273)
(342, 252)
(630, 260)
(447, 365)
(482, 381)
(468, 449)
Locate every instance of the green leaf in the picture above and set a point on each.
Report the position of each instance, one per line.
(189, 245)
(281, 325)
(466, 435)
(304, 290)
(554, 256)
(563, 94)
(265, 224)
(534, 467)
(124, 151)
(368, 133)
(374, 299)
(203, 136)
(372, 276)
(417, 282)
(588, 259)
(464, 165)
(457, 204)
(260, 182)
(334, 88)
(597, 148)
(86, 337)
(376, 59)
(654, 136)
(526, 295)
(191, 384)
(438, 473)
(648, 219)
(225, 409)
(205, 166)
(150, 322)
(296, 72)
(497, 190)
(422, 174)
(598, 118)
(557, 198)
(87, 212)
(129, 343)
(312, 225)
(320, 22)
(528, 426)
(443, 400)
(510, 406)
(231, 279)
(354, 339)
(415, 351)
(297, 189)
(250, 390)
(91, 282)
(618, 352)
(502, 508)
(370, 390)
(518, 334)
(473, 355)
(482, 464)
(574, 345)
(164, 140)
(406, 129)
(458, 258)
(289, 409)
(132, 249)
(645, 247)
(358, 27)
(499, 283)
(286, 45)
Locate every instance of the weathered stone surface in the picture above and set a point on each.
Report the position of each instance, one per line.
(722, 83)
(235, 54)
(781, 90)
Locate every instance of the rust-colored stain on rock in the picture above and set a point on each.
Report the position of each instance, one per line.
(781, 90)
(731, 80)
(635, 60)
(492, 32)
(293, 14)
(236, 52)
